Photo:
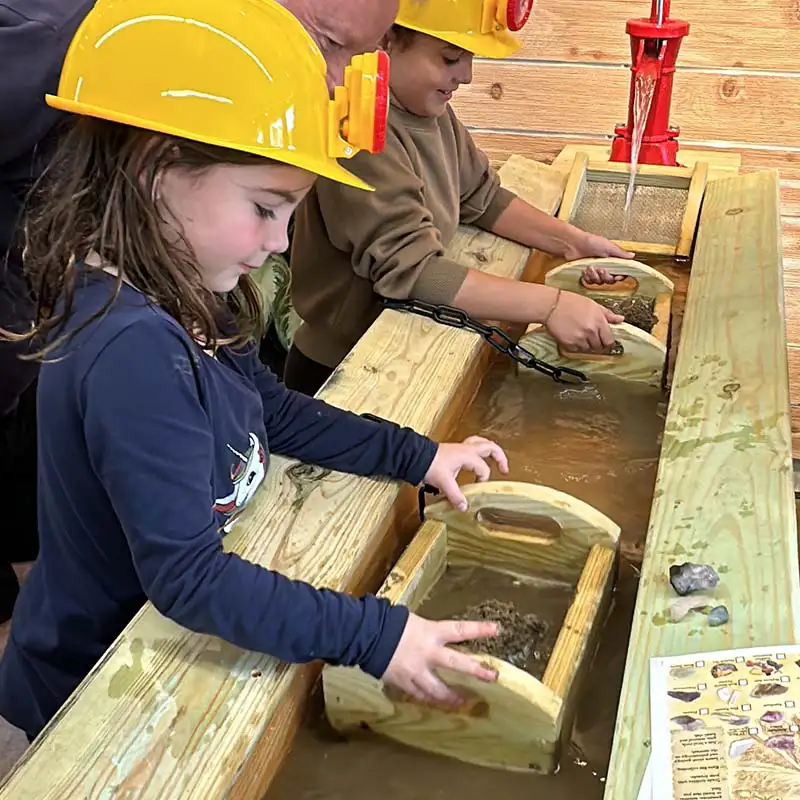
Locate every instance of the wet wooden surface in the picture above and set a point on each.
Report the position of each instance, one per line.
(724, 494)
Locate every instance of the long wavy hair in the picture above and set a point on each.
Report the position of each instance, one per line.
(97, 195)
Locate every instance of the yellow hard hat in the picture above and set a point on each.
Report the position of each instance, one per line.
(482, 27)
(241, 74)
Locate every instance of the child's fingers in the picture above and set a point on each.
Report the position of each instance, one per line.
(451, 490)
(461, 662)
(475, 463)
(497, 454)
(486, 448)
(460, 630)
(436, 690)
(590, 275)
(411, 688)
(613, 319)
(477, 440)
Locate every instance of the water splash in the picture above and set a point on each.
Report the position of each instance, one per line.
(643, 91)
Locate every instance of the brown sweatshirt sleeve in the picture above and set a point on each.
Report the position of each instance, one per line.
(389, 232)
(483, 199)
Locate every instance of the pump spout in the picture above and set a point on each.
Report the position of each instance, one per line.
(655, 43)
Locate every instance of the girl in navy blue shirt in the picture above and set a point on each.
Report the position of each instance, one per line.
(156, 419)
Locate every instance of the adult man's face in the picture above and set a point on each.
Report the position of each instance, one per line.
(343, 28)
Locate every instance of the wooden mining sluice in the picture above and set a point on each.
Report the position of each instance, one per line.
(167, 713)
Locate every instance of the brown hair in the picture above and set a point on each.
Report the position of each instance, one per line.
(97, 195)
(402, 36)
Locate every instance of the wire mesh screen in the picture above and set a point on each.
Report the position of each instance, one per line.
(655, 215)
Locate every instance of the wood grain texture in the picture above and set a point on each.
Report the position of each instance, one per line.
(549, 147)
(644, 355)
(691, 214)
(574, 187)
(724, 492)
(643, 358)
(585, 171)
(170, 714)
(473, 542)
(518, 722)
(525, 96)
(512, 724)
(582, 624)
(647, 281)
(723, 34)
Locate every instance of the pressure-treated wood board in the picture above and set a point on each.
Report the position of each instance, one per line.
(523, 96)
(721, 163)
(549, 145)
(724, 491)
(791, 293)
(587, 177)
(171, 714)
(723, 34)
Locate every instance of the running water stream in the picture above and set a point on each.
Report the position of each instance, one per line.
(643, 91)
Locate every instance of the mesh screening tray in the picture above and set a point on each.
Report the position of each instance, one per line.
(664, 210)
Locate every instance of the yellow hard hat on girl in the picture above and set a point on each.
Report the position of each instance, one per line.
(241, 74)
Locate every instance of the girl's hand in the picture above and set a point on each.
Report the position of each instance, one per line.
(586, 245)
(578, 323)
(471, 454)
(422, 649)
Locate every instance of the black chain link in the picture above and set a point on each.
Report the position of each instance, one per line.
(458, 318)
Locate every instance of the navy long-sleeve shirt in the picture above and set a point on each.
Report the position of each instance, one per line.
(148, 449)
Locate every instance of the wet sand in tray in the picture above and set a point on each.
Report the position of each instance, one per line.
(530, 613)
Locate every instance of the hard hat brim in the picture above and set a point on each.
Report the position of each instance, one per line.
(327, 168)
(500, 44)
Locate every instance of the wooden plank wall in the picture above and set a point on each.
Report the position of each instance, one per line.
(737, 86)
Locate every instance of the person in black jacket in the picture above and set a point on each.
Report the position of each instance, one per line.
(34, 36)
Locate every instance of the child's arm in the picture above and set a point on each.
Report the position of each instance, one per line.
(485, 203)
(521, 222)
(312, 431)
(150, 442)
(396, 246)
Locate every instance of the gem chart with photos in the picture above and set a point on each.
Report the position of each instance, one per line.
(726, 725)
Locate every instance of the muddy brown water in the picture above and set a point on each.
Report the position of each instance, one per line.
(599, 443)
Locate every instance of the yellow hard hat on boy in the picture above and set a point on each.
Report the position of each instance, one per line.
(240, 74)
(482, 27)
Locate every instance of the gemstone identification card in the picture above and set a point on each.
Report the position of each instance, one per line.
(726, 725)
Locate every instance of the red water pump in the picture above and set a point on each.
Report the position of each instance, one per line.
(655, 43)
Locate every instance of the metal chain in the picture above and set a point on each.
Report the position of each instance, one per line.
(458, 318)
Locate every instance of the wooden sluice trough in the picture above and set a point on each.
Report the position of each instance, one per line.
(518, 723)
(168, 713)
(638, 354)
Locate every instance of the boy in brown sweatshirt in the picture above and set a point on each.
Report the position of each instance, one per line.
(352, 248)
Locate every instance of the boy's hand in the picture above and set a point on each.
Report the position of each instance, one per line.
(579, 324)
(586, 245)
(422, 649)
(471, 454)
